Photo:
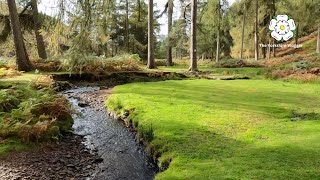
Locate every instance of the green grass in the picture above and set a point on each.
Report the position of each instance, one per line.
(228, 129)
(11, 145)
(310, 46)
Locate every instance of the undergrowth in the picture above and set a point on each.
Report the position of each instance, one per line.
(300, 71)
(234, 63)
(33, 112)
(80, 63)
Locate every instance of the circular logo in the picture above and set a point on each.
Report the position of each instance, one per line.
(282, 27)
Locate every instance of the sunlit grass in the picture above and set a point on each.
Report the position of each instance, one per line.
(228, 129)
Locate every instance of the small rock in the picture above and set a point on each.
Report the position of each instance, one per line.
(98, 160)
(70, 165)
(83, 104)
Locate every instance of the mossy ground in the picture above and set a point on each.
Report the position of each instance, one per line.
(241, 129)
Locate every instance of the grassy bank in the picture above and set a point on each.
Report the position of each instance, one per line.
(30, 112)
(207, 71)
(255, 129)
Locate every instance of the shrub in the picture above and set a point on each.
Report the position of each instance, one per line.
(161, 63)
(8, 100)
(32, 132)
(7, 63)
(49, 65)
(100, 65)
(33, 115)
(234, 63)
(124, 62)
(300, 65)
(9, 72)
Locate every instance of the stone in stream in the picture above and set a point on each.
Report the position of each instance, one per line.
(98, 160)
(83, 104)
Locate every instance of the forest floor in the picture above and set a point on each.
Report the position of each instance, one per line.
(242, 129)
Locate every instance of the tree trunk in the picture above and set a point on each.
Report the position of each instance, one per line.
(256, 37)
(105, 48)
(127, 26)
(264, 52)
(112, 49)
(218, 34)
(212, 55)
(242, 33)
(318, 40)
(22, 59)
(151, 64)
(193, 42)
(37, 26)
(269, 50)
(297, 35)
(139, 10)
(274, 14)
(169, 46)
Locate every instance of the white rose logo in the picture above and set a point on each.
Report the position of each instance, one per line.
(282, 28)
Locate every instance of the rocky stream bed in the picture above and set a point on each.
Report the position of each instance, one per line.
(100, 148)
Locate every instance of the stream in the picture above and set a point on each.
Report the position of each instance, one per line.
(121, 157)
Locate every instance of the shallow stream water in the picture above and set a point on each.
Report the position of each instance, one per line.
(121, 156)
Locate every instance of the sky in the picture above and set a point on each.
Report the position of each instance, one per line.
(50, 7)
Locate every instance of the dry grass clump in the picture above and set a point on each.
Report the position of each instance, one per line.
(8, 72)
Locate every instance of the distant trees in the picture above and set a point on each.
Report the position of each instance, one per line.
(214, 39)
(22, 58)
(253, 29)
(208, 28)
(178, 37)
